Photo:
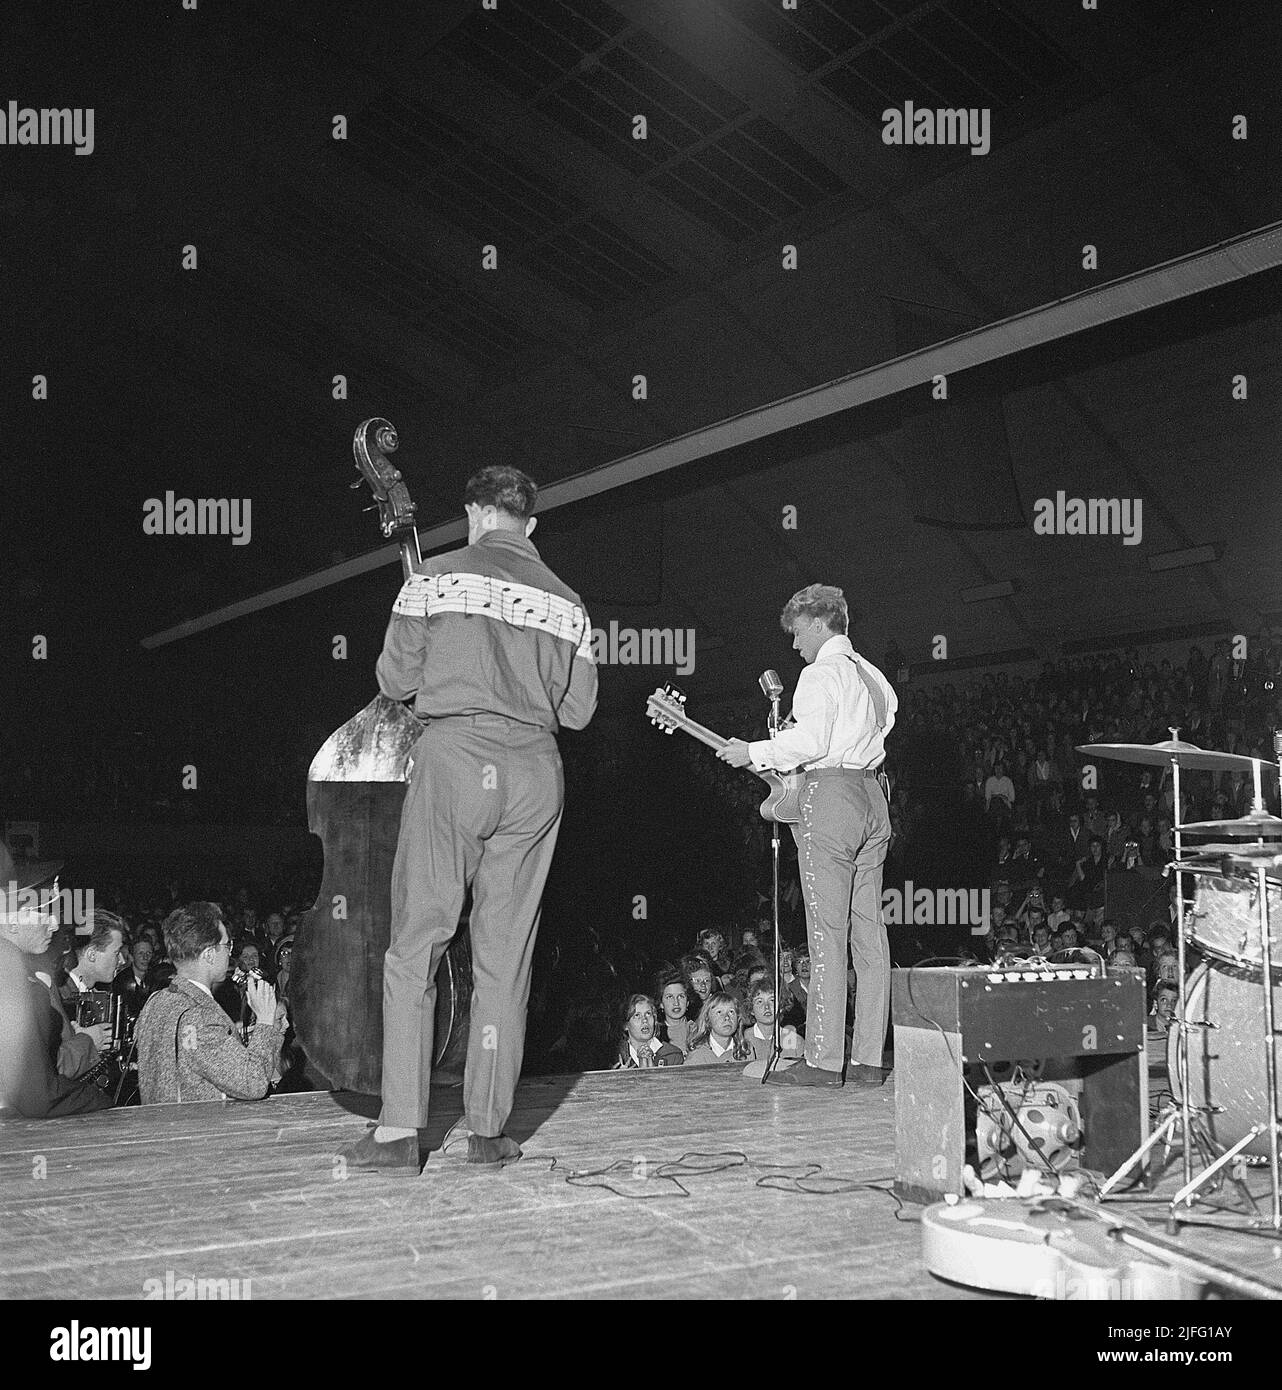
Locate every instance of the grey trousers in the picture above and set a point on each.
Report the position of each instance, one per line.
(841, 847)
(483, 808)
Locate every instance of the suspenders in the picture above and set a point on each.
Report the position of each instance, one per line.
(878, 698)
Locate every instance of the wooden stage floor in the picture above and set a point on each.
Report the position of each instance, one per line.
(717, 1187)
(717, 1191)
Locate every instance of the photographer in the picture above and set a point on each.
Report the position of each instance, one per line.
(97, 962)
(32, 1027)
(188, 1049)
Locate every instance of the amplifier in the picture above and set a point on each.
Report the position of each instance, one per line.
(947, 1020)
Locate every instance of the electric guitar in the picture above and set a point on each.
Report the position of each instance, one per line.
(666, 709)
(1054, 1249)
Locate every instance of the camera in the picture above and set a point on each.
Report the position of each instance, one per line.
(243, 977)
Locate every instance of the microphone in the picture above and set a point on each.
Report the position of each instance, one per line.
(771, 685)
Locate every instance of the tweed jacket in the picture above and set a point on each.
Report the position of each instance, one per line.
(188, 1049)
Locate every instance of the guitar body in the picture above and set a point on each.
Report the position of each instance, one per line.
(784, 802)
(1045, 1248)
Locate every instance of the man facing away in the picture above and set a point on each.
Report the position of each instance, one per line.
(843, 707)
(497, 653)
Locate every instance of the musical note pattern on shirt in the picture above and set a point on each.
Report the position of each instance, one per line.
(483, 596)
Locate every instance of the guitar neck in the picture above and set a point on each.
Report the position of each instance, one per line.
(705, 736)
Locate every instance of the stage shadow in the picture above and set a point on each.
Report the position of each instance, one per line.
(537, 1099)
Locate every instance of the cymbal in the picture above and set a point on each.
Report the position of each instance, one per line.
(1255, 855)
(1251, 827)
(1160, 755)
(1238, 851)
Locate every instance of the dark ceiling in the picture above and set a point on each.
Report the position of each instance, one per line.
(616, 256)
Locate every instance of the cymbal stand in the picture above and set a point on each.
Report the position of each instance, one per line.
(1270, 1047)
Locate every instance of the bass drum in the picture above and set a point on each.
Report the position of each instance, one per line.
(1226, 1062)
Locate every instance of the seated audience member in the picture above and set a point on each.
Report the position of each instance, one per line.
(1024, 867)
(698, 970)
(717, 1038)
(273, 930)
(1091, 873)
(1157, 942)
(136, 983)
(999, 795)
(1042, 940)
(799, 986)
(32, 1027)
(1164, 1006)
(761, 1036)
(1068, 940)
(712, 943)
(749, 967)
(1105, 937)
(1166, 971)
(675, 1026)
(1033, 919)
(284, 961)
(188, 1049)
(1058, 914)
(231, 996)
(639, 1047)
(1121, 956)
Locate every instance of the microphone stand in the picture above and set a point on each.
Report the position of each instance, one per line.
(776, 1047)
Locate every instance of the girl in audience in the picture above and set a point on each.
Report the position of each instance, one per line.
(761, 1036)
(718, 1036)
(675, 1026)
(698, 970)
(639, 1047)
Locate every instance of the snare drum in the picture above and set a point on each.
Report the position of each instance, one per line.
(1226, 1062)
(1224, 922)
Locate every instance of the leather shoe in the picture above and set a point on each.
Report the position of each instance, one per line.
(865, 1077)
(395, 1157)
(803, 1074)
(487, 1152)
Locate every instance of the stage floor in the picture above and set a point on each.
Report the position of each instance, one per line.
(717, 1187)
(250, 1192)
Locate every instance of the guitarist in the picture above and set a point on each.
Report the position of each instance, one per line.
(843, 707)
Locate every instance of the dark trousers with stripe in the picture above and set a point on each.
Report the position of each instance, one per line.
(841, 848)
(483, 808)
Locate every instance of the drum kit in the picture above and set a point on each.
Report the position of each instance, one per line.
(1222, 1047)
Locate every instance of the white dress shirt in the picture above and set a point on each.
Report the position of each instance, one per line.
(837, 723)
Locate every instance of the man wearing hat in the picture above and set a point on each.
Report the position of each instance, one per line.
(31, 1025)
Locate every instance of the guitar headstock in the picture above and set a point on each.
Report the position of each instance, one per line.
(374, 440)
(666, 708)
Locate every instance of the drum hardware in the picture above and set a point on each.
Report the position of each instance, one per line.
(1184, 1116)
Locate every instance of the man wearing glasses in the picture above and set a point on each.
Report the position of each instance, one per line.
(188, 1048)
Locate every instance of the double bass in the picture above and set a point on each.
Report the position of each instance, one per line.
(355, 789)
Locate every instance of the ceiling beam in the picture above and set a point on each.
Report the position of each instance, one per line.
(1189, 275)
